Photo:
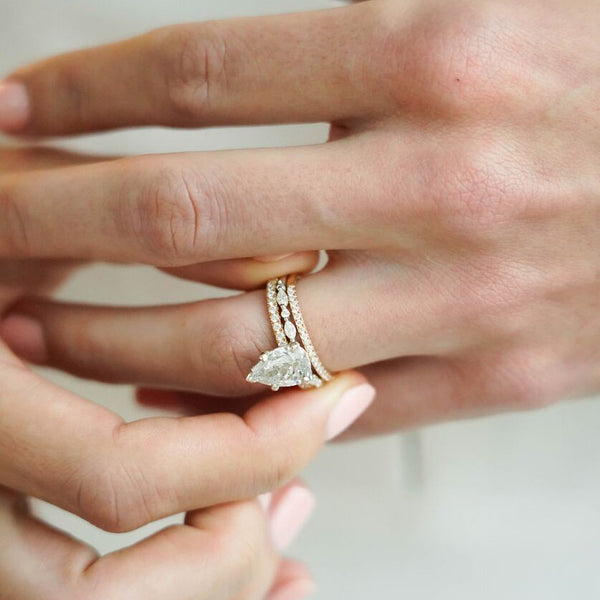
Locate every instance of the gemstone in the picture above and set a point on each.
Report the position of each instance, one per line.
(282, 298)
(290, 329)
(285, 366)
(285, 313)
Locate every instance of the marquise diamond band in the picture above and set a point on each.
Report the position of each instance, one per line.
(295, 361)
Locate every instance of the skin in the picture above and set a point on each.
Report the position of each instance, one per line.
(458, 199)
(118, 476)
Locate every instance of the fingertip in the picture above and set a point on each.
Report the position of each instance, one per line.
(25, 337)
(353, 403)
(289, 512)
(15, 106)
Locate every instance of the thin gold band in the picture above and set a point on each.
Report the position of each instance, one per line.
(318, 366)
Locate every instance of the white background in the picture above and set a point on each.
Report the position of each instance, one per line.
(504, 507)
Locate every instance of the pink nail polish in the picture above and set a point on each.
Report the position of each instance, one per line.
(348, 409)
(14, 106)
(289, 515)
(25, 337)
(295, 590)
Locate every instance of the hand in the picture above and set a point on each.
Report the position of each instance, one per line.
(85, 459)
(459, 199)
(229, 551)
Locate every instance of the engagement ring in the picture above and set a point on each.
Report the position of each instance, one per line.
(294, 361)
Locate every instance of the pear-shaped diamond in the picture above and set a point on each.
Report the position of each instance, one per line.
(285, 366)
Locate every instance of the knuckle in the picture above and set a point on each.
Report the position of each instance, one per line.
(492, 299)
(16, 235)
(196, 69)
(528, 380)
(231, 344)
(473, 192)
(242, 542)
(114, 497)
(165, 212)
(452, 55)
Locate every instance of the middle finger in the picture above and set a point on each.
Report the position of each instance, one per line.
(182, 209)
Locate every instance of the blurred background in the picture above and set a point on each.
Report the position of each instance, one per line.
(496, 508)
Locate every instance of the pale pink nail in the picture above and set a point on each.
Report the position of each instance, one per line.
(290, 514)
(348, 409)
(295, 590)
(25, 337)
(274, 258)
(14, 106)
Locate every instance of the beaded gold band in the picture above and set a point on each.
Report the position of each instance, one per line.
(320, 369)
(292, 362)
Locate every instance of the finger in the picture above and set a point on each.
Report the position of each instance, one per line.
(312, 66)
(247, 273)
(36, 560)
(83, 458)
(287, 514)
(418, 391)
(26, 159)
(216, 554)
(210, 346)
(194, 404)
(178, 210)
(288, 510)
(293, 582)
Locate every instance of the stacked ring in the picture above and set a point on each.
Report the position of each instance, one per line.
(292, 362)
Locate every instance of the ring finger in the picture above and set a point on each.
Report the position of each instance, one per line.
(210, 346)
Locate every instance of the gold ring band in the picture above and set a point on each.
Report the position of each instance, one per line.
(293, 361)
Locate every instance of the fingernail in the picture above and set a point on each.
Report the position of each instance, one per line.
(295, 590)
(273, 258)
(348, 409)
(290, 514)
(25, 337)
(14, 106)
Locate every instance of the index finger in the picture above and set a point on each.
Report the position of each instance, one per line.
(182, 209)
(119, 476)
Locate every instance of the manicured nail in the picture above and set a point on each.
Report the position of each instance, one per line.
(274, 258)
(14, 106)
(295, 590)
(348, 409)
(290, 514)
(24, 336)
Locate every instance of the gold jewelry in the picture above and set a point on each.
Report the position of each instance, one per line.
(292, 362)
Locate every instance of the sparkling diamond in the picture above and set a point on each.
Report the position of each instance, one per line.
(290, 330)
(285, 313)
(285, 366)
(282, 298)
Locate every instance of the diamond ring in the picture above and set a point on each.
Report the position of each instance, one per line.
(294, 361)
